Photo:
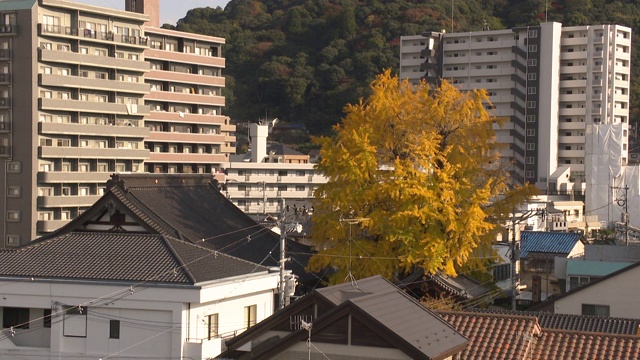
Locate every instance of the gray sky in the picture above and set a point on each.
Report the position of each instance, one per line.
(170, 10)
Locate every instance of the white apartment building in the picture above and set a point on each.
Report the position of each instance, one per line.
(549, 83)
(257, 183)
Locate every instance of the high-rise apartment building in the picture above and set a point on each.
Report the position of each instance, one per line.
(548, 83)
(89, 91)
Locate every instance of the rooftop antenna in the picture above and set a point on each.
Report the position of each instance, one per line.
(451, 16)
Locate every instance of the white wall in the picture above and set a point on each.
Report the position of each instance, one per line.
(619, 292)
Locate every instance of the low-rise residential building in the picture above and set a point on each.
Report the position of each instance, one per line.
(257, 182)
(128, 296)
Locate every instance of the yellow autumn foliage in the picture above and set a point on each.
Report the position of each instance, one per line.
(415, 180)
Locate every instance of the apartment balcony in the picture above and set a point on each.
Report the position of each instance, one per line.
(573, 55)
(90, 34)
(5, 102)
(8, 30)
(78, 82)
(571, 139)
(575, 69)
(192, 158)
(55, 152)
(67, 201)
(92, 130)
(571, 153)
(68, 57)
(5, 126)
(173, 76)
(574, 83)
(59, 177)
(94, 107)
(5, 54)
(188, 118)
(46, 226)
(574, 125)
(184, 58)
(180, 97)
(186, 137)
(5, 79)
(572, 111)
(566, 41)
(573, 97)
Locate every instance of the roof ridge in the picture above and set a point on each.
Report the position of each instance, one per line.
(585, 332)
(216, 252)
(184, 266)
(487, 314)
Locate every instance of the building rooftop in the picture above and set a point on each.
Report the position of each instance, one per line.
(547, 242)
(114, 256)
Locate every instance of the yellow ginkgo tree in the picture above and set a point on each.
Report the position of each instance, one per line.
(415, 180)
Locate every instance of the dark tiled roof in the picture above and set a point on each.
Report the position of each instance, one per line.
(572, 345)
(189, 207)
(494, 336)
(588, 323)
(121, 257)
(281, 149)
(547, 242)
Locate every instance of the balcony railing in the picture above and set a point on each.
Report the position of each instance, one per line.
(8, 29)
(92, 34)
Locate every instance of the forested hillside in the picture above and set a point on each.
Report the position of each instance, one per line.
(303, 60)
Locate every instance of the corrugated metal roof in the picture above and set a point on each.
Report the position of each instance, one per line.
(594, 268)
(547, 242)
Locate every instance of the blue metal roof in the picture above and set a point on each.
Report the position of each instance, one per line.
(547, 242)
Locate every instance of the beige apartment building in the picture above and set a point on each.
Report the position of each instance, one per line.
(90, 91)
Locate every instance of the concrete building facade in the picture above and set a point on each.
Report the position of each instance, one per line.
(548, 84)
(88, 91)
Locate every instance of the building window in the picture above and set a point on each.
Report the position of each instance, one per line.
(212, 321)
(531, 104)
(531, 132)
(533, 33)
(250, 315)
(13, 240)
(531, 118)
(114, 329)
(13, 215)
(46, 319)
(501, 272)
(530, 174)
(533, 62)
(532, 76)
(75, 322)
(533, 48)
(531, 146)
(577, 281)
(13, 191)
(597, 310)
(531, 90)
(531, 160)
(299, 187)
(17, 318)
(14, 167)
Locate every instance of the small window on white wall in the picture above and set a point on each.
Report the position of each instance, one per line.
(250, 316)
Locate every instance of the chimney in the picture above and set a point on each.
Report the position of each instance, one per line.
(258, 134)
(147, 7)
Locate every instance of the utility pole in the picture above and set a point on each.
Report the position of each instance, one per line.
(283, 236)
(621, 200)
(514, 261)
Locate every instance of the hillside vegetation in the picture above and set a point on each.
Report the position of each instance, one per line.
(304, 60)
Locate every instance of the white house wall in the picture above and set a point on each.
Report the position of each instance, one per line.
(618, 292)
(157, 322)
